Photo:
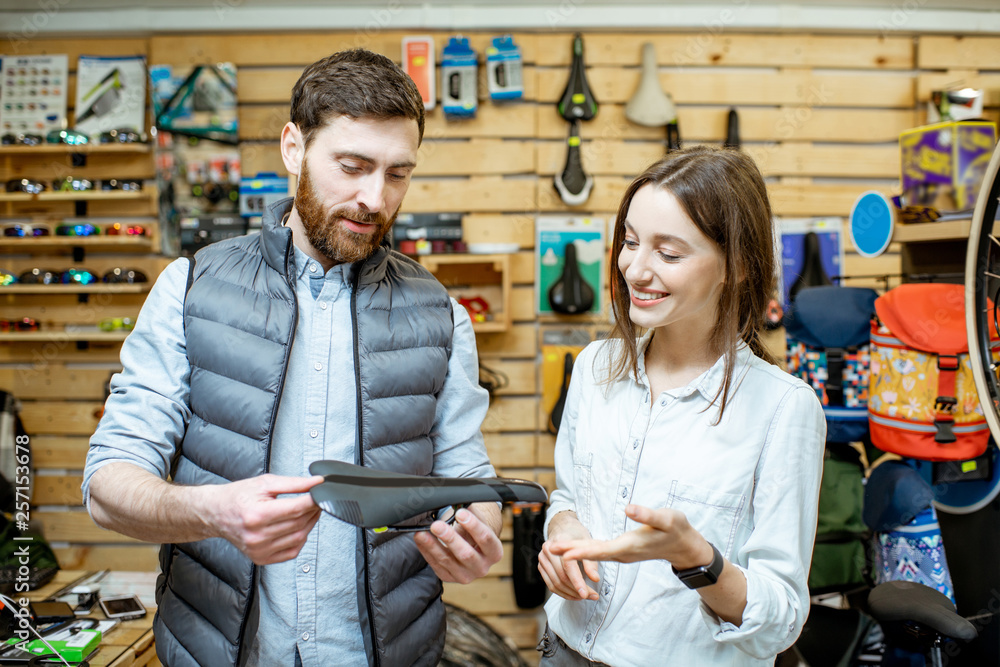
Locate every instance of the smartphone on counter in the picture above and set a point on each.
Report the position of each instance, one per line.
(51, 611)
(122, 607)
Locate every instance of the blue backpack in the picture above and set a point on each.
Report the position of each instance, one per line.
(828, 331)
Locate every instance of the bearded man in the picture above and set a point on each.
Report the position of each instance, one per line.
(310, 340)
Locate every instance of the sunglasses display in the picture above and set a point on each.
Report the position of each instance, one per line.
(126, 185)
(23, 324)
(121, 136)
(72, 184)
(41, 277)
(24, 230)
(78, 277)
(118, 229)
(69, 137)
(21, 139)
(81, 229)
(125, 276)
(116, 324)
(25, 185)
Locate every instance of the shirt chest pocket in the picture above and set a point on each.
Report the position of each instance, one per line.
(712, 513)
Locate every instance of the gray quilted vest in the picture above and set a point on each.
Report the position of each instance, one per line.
(239, 319)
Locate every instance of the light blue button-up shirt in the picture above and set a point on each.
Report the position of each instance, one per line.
(311, 602)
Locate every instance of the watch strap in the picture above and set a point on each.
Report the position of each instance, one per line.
(703, 575)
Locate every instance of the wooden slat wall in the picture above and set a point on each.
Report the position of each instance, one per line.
(820, 113)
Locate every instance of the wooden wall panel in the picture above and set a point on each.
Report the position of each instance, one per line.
(820, 113)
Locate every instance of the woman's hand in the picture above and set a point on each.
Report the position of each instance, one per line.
(665, 534)
(565, 575)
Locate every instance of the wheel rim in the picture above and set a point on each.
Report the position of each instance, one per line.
(982, 282)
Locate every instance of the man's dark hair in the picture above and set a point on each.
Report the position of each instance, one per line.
(356, 83)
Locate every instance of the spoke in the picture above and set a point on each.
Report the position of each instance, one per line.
(994, 239)
(991, 275)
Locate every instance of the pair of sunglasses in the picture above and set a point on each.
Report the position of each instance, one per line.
(125, 276)
(116, 324)
(23, 229)
(72, 184)
(121, 184)
(121, 136)
(81, 229)
(25, 185)
(118, 229)
(21, 139)
(69, 137)
(52, 277)
(23, 324)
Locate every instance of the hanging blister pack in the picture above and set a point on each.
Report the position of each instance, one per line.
(418, 62)
(503, 69)
(459, 79)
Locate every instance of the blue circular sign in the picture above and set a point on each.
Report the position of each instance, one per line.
(872, 220)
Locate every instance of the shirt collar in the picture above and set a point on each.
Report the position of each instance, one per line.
(708, 383)
(302, 262)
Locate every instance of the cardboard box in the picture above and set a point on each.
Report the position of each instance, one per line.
(943, 165)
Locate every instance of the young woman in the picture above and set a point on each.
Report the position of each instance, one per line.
(687, 464)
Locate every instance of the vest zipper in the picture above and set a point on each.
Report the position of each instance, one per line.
(360, 457)
(270, 432)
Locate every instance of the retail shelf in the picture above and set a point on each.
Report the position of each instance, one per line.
(922, 232)
(86, 149)
(88, 195)
(48, 244)
(96, 288)
(52, 335)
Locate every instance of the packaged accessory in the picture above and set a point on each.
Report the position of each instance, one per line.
(827, 332)
(459, 79)
(923, 402)
(418, 62)
(504, 75)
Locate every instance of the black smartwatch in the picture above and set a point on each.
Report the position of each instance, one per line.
(703, 575)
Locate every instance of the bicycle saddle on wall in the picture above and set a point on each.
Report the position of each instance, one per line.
(372, 498)
(577, 101)
(650, 106)
(571, 294)
(573, 184)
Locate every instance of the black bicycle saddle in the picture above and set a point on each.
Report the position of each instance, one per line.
(910, 601)
(577, 101)
(571, 294)
(377, 498)
(573, 184)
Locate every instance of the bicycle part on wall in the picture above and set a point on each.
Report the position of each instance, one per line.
(650, 105)
(577, 101)
(573, 184)
(571, 294)
(982, 292)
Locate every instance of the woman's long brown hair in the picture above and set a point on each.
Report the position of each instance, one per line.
(723, 193)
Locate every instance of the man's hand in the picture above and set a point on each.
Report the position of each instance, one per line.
(266, 528)
(665, 534)
(467, 552)
(563, 574)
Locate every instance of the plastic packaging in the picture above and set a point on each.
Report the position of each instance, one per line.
(503, 69)
(459, 79)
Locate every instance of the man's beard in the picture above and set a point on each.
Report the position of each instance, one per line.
(327, 233)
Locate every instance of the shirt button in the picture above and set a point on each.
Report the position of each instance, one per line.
(663, 402)
(313, 433)
(588, 637)
(607, 589)
(305, 636)
(312, 268)
(318, 366)
(635, 443)
(322, 305)
(306, 568)
(624, 492)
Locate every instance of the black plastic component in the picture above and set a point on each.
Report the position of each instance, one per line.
(573, 184)
(673, 136)
(555, 418)
(577, 101)
(571, 294)
(377, 498)
(812, 274)
(733, 130)
(529, 587)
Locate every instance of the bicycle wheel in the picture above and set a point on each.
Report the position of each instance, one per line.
(982, 294)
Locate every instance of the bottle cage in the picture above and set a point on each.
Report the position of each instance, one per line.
(372, 498)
